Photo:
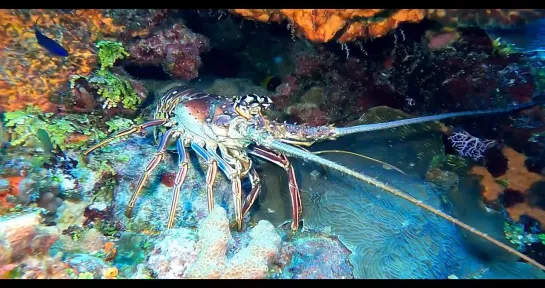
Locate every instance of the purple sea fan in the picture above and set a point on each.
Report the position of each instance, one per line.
(468, 145)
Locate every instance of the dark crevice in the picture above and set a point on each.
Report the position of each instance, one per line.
(150, 72)
(220, 63)
(495, 162)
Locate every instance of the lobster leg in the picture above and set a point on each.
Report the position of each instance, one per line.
(152, 164)
(282, 161)
(256, 188)
(237, 198)
(129, 131)
(178, 181)
(233, 175)
(210, 174)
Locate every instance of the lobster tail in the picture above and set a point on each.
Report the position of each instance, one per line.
(392, 124)
(299, 153)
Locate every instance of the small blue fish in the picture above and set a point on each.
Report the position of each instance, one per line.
(51, 45)
(529, 38)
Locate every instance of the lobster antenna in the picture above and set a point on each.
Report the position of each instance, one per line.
(290, 150)
(361, 156)
(355, 154)
(392, 124)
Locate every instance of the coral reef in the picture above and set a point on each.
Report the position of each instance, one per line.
(63, 215)
(30, 76)
(321, 86)
(323, 25)
(182, 253)
(400, 71)
(486, 18)
(177, 49)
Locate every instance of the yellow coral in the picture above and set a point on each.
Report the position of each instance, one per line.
(110, 273)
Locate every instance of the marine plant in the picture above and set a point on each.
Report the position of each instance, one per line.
(24, 124)
(119, 123)
(501, 48)
(114, 90)
(538, 73)
(111, 87)
(516, 234)
(68, 132)
(86, 275)
(109, 52)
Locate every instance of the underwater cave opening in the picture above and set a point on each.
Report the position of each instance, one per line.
(220, 63)
(536, 164)
(148, 72)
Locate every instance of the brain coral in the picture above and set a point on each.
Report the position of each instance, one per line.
(389, 238)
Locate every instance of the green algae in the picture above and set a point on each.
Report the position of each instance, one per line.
(109, 52)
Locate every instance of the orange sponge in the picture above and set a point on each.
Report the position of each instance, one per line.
(345, 25)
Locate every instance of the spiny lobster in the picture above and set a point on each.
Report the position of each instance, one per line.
(224, 131)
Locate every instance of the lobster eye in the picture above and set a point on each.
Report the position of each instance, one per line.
(256, 101)
(251, 104)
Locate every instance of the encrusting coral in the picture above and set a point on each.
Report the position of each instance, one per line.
(177, 49)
